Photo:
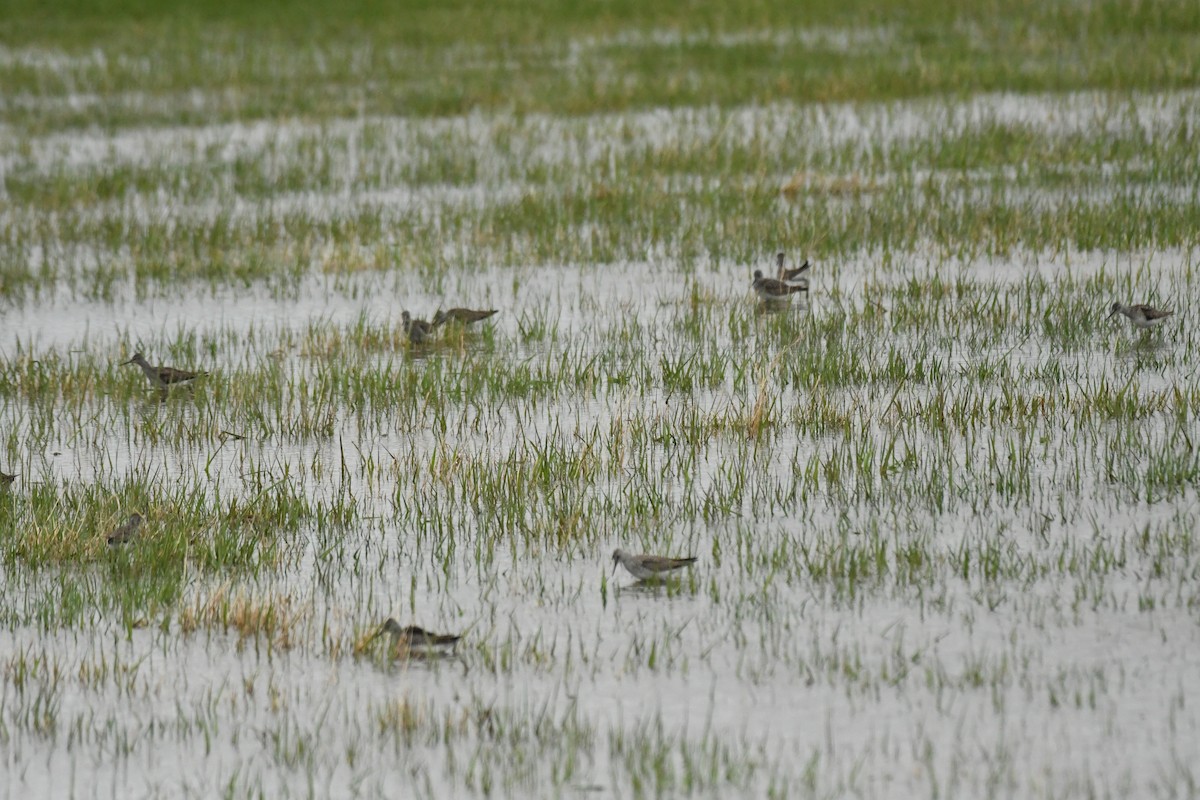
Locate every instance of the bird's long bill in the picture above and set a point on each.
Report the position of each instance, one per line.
(123, 363)
(1115, 310)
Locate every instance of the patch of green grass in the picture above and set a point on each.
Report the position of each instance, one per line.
(199, 63)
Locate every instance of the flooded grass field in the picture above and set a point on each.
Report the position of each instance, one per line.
(944, 506)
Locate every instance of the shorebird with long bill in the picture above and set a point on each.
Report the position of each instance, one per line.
(1142, 316)
(162, 377)
(414, 640)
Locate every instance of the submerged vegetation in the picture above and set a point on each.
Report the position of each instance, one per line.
(944, 511)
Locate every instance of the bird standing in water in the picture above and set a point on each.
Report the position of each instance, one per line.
(644, 567)
(1142, 316)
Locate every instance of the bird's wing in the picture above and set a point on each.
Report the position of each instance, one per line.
(662, 563)
(172, 375)
(800, 270)
(1153, 313)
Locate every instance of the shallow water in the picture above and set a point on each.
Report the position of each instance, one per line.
(904, 586)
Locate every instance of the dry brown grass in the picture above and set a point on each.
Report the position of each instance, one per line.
(274, 618)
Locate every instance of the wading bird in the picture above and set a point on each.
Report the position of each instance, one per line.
(162, 377)
(463, 316)
(417, 330)
(127, 531)
(786, 274)
(643, 566)
(413, 640)
(1142, 316)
